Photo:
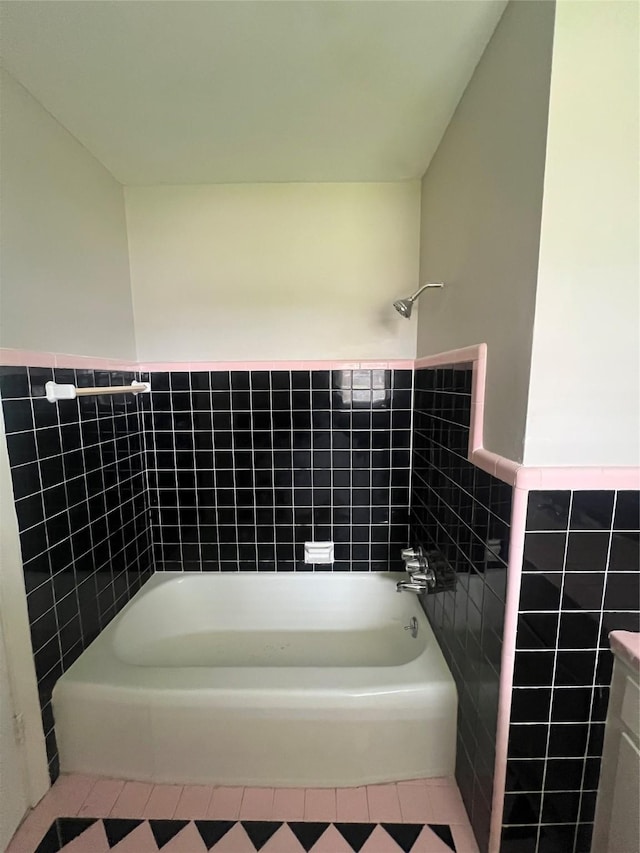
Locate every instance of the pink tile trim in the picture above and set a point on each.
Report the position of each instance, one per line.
(515, 473)
(626, 644)
(212, 366)
(26, 358)
(36, 358)
(475, 352)
(476, 355)
(516, 551)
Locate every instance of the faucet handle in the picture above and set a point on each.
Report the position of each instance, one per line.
(424, 575)
(411, 553)
(420, 564)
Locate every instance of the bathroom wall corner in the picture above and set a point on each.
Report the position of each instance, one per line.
(15, 627)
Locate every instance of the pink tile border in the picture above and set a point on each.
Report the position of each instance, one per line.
(508, 470)
(515, 473)
(36, 358)
(366, 364)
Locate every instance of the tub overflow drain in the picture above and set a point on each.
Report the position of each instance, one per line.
(412, 626)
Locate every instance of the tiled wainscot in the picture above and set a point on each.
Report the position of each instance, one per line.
(580, 581)
(77, 469)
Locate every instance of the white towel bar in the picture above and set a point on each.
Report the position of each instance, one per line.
(55, 391)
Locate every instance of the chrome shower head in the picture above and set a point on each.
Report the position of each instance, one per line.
(405, 306)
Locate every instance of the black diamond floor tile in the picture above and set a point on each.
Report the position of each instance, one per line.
(117, 828)
(164, 830)
(307, 833)
(211, 831)
(71, 827)
(260, 831)
(443, 831)
(355, 834)
(404, 834)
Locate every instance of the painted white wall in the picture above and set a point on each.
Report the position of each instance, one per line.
(24, 776)
(273, 271)
(481, 203)
(13, 788)
(584, 398)
(64, 273)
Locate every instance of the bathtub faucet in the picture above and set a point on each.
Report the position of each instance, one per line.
(421, 577)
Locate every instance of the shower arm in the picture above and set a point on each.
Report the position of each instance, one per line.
(415, 295)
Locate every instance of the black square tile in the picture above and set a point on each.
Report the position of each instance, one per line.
(540, 591)
(627, 512)
(582, 591)
(544, 552)
(569, 739)
(575, 668)
(533, 669)
(26, 480)
(591, 510)
(528, 741)
(561, 807)
(519, 839)
(537, 630)
(530, 705)
(21, 447)
(563, 774)
(548, 511)
(14, 382)
(587, 552)
(625, 552)
(578, 630)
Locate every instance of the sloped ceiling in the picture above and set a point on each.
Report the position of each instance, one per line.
(182, 92)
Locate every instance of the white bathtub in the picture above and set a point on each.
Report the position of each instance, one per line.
(261, 679)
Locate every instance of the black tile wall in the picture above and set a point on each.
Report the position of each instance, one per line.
(464, 513)
(244, 467)
(580, 581)
(81, 500)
